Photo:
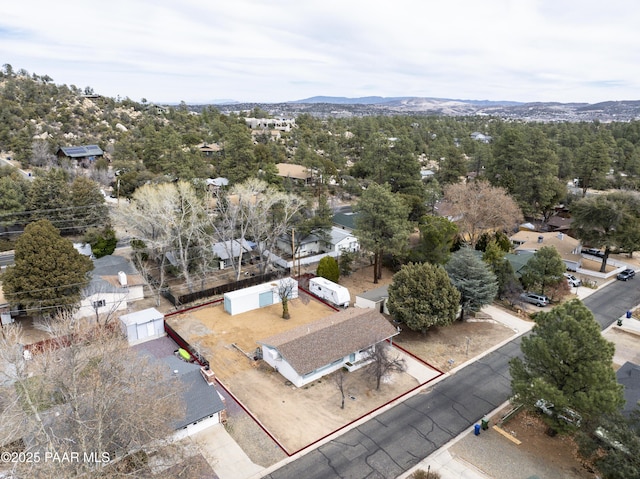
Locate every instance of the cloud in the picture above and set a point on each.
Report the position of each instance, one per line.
(527, 50)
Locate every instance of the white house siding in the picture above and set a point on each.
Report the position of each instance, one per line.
(112, 302)
(272, 357)
(196, 427)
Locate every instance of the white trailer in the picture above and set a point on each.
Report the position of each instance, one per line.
(330, 291)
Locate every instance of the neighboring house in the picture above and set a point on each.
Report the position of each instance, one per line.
(84, 249)
(476, 135)
(238, 249)
(375, 299)
(307, 246)
(204, 404)
(629, 376)
(559, 223)
(311, 351)
(337, 240)
(217, 183)
(280, 124)
(345, 221)
(80, 155)
(114, 284)
(518, 261)
(258, 296)
(445, 209)
(568, 247)
(294, 172)
(209, 150)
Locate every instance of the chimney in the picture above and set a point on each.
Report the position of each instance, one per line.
(207, 374)
(560, 236)
(122, 276)
(540, 238)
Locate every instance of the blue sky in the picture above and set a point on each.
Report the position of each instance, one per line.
(282, 50)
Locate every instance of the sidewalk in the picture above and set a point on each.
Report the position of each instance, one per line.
(452, 467)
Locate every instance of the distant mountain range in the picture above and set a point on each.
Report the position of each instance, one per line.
(326, 106)
(378, 100)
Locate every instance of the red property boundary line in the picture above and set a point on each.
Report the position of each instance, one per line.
(257, 421)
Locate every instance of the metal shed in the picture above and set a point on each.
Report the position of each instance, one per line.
(254, 297)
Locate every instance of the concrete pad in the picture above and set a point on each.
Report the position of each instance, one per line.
(224, 455)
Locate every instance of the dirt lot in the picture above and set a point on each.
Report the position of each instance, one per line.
(296, 417)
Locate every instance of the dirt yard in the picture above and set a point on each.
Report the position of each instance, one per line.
(297, 417)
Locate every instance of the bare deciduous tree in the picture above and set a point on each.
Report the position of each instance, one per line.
(254, 210)
(285, 290)
(41, 154)
(385, 361)
(477, 207)
(87, 392)
(169, 218)
(339, 381)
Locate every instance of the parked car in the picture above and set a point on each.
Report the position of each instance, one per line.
(537, 299)
(594, 252)
(626, 274)
(572, 280)
(568, 415)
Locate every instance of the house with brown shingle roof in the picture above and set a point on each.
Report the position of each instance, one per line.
(568, 247)
(294, 172)
(313, 350)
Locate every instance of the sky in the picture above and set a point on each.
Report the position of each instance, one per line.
(201, 51)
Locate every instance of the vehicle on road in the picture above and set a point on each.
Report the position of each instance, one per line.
(626, 274)
(537, 299)
(572, 280)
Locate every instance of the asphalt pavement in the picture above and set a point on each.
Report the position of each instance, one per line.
(395, 441)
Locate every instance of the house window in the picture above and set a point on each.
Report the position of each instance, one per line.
(99, 304)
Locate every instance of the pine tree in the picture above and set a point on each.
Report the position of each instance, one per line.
(568, 365)
(473, 278)
(49, 274)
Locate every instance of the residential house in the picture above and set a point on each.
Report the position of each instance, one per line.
(217, 183)
(115, 283)
(336, 241)
(80, 155)
(238, 249)
(204, 404)
(559, 223)
(311, 351)
(568, 247)
(294, 172)
(375, 299)
(629, 376)
(280, 124)
(476, 135)
(209, 150)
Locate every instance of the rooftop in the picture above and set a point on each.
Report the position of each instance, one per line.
(311, 346)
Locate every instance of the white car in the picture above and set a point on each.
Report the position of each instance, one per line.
(572, 280)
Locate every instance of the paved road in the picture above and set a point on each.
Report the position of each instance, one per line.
(398, 439)
(6, 259)
(613, 301)
(393, 442)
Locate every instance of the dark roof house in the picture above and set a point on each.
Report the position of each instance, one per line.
(202, 400)
(84, 155)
